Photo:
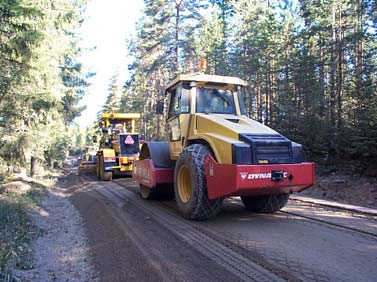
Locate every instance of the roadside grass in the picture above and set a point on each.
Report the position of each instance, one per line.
(17, 230)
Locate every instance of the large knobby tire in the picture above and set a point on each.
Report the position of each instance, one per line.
(98, 161)
(101, 168)
(190, 186)
(265, 203)
(108, 175)
(104, 175)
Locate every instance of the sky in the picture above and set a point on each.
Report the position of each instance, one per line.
(107, 26)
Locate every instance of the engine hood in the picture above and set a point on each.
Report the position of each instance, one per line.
(241, 140)
(229, 126)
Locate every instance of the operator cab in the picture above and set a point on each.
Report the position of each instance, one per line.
(206, 94)
(200, 94)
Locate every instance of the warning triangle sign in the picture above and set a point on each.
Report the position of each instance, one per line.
(129, 140)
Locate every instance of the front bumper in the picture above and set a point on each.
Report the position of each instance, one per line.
(224, 180)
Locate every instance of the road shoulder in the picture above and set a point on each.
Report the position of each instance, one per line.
(61, 253)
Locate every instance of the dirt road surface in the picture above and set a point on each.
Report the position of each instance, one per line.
(132, 239)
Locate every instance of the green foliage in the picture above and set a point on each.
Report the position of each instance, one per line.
(74, 82)
(212, 44)
(16, 229)
(18, 37)
(311, 66)
(114, 95)
(41, 82)
(165, 46)
(130, 102)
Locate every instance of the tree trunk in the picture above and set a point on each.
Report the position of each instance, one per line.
(321, 78)
(340, 69)
(272, 102)
(33, 166)
(159, 90)
(176, 47)
(267, 95)
(51, 162)
(296, 90)
(359, 89)
(259, 98)
(332, 69)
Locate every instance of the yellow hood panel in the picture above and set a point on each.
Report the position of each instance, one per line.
(229, 125)
(221, 131)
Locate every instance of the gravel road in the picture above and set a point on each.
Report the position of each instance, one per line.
(129, 245)
(126, 238)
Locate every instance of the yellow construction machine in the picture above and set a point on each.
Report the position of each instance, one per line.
(214, 150)
(118, 146)
(87, 162)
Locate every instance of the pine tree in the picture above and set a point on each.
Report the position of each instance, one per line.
(311, 67)
(112, 103)
(40, 81)
(212, 44)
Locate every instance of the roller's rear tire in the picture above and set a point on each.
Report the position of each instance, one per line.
(265, 203)
(161, 192)
(148, 193)
(190, 186)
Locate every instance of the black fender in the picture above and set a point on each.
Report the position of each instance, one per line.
(158, 152)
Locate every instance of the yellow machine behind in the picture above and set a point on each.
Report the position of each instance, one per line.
(119, 145)
(87, 162)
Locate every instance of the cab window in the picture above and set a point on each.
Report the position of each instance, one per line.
(215, 101)
(241, 100)
(180, 100)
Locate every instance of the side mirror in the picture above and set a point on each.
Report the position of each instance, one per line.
(160, 107)
(94, 138)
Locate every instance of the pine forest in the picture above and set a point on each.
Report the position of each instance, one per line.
(311, 66)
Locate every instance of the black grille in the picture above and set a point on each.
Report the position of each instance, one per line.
(268, 148)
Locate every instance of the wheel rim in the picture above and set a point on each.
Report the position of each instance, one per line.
(145, 191)
(184, 184)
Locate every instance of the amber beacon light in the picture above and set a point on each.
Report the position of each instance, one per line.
(202, 64)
